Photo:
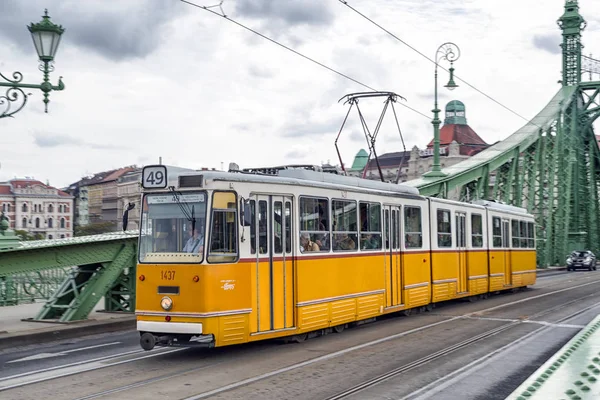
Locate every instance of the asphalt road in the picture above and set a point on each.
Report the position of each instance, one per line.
(460, 350)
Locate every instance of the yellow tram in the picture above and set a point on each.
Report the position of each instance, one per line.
(234, 257)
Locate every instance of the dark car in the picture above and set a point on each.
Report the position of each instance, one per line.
(581, 259)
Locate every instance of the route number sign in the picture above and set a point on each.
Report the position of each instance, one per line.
(154, 177)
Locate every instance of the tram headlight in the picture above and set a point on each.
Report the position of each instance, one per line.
(166, 303)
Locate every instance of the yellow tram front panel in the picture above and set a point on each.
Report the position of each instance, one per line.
(218, 296)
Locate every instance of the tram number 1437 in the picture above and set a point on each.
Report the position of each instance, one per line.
(167, 275)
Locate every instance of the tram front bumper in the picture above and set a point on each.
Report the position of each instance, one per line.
(180, 328)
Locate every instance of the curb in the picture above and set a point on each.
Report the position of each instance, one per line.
(51, 334)
(547, 270)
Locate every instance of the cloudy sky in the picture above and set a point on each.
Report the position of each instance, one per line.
(150, 78)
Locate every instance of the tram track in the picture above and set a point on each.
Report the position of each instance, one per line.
(424, 360)
(466, 343)
(34, 377)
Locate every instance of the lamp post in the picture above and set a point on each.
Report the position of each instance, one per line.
(46, 38)
(449, 52)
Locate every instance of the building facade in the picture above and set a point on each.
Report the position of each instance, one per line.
(102, 195)
(129, 191)
(37, 208)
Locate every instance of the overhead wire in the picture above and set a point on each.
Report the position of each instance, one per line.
(208, 8)
(345, 2)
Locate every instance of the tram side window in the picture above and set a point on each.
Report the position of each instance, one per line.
(288, 227)
(314, 224)
(444, 228)
(412, 228)
(279, 221)
(476, 230)
(370, 226)
(496, 232)
(262, 227)
(530, 235)
(277, 227)
(252, 208)
(523, 230)
(344, 226)
(223, 232)
(515, 233)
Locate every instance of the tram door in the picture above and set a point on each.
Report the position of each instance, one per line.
(506, 250)
(461, 248)
(274, 269)
(393, 260)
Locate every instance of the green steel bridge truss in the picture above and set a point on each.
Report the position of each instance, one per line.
(73, 274)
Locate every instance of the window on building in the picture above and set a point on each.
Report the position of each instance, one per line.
(476, 230)
(62, 236)
(8, 208)
(37, 222)
(49, 236)
(370, 226)
(496, 232)
(50, 222)
(50, 208)
(314, 222)
(344, 226)
(24, 223)
(62, 222)
(3, 207)
(24, 207)
(412, 227)
(444, 227)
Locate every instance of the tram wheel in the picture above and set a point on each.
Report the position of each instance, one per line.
(299, 338)
(407, 312)
(339, 328)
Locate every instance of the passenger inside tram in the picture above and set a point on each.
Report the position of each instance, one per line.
(307, 244)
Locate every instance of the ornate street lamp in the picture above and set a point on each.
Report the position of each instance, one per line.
(46, 38)
(449, 52)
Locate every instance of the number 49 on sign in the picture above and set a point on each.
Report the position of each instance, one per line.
(154, 177)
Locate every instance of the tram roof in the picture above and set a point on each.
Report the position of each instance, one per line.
(491, 204)
(293, 176)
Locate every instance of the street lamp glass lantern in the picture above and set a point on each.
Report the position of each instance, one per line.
(46, 37)
(451, 85)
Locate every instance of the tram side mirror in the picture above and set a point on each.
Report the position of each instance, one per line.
(130, 207)
(246, 216)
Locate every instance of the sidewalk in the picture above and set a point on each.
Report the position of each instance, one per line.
(16, 330)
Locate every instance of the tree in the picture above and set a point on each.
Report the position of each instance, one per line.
(95, 228)
(26, 236)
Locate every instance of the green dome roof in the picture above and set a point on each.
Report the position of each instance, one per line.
(455, 105)
(455, 113)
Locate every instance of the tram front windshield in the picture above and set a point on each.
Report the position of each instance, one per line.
(173, 225)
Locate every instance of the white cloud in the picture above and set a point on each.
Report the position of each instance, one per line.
(144, 81)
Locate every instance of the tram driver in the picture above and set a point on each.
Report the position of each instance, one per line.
(195, 243)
